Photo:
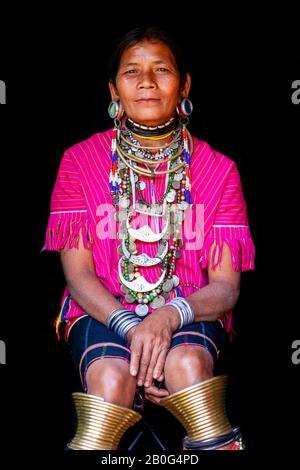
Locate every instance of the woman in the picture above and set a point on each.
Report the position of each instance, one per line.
(152, 230)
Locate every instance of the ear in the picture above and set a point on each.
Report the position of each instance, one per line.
(186, 86)
(113, 91)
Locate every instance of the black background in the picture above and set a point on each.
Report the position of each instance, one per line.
(57, 95)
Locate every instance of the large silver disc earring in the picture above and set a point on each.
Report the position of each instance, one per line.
(115, 110)
(185, 108)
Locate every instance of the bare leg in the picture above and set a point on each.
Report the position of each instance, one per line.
(111, 379)
(186, 366)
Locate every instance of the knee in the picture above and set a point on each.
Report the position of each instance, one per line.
(188, 365)
(107, 377)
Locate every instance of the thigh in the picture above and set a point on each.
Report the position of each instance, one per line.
(209, 335)
(90, 340)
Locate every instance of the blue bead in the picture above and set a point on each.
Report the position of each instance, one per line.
(178, 291)
(187, 157)
(188, 196)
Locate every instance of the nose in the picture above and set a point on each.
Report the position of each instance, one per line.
(147, 81)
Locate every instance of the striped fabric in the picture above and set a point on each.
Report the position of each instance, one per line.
(81, 202)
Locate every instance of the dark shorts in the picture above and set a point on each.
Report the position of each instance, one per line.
(90, 340)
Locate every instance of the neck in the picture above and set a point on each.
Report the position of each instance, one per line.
(152, 136)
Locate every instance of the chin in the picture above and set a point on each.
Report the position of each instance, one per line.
(149, 119)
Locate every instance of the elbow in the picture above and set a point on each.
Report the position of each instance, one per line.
(233, 295)
(76, 281)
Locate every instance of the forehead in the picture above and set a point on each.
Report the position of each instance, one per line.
(147, 51)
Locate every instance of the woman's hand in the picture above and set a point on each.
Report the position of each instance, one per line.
(155, 393)
(150, 342)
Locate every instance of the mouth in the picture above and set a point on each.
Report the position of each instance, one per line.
(147, 100)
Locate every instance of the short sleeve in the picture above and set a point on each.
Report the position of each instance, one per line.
(68, 210)
(230, 226)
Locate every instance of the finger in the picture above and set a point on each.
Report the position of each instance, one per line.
(136, 354)
(152, 364)
(154, 398)
(156, 392)
(161, 378)
(144, 363)
(160, 364)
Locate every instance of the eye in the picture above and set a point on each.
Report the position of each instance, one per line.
(162, 69)
(131, 71)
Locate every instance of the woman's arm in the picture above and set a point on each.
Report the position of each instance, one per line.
(222, 291)
(151, 339)
(83, 284)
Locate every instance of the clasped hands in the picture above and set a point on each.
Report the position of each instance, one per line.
(149, 345)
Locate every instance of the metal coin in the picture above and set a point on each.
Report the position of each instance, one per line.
(135, 177)
(121, 165)
(170, 197)
(166, 295)
(167, 285)
(142, 185)
(175, 280)
(124, 289)
(142, 310)
(177, 253)
(176, 184)
(158, 302)
(129, 299)
(130, 268)
(120, 250)
(178, 176)
(124, 202)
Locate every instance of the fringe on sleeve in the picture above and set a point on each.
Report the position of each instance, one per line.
(240, 243)
(64, 228)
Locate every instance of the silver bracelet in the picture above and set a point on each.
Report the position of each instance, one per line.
(184, 309)
(121, 320)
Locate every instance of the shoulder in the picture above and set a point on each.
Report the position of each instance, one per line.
(206, 155)
(96, 145)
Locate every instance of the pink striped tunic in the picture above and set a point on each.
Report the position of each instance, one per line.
(81, 201)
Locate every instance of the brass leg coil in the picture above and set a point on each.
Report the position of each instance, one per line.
(100, 425)
(201, 410)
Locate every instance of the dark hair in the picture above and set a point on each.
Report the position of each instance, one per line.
(149, 33)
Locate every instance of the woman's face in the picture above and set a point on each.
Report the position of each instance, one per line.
(148, 83)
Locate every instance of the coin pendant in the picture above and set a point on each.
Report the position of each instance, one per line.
(170, 197)
(168, 285)
(178, 176)
(124, 289)
(124, 202)
(175, 280)
(141, 310)
(176, 184)
(129, 299)
(158, 302)
(166, 295)
(142, 185)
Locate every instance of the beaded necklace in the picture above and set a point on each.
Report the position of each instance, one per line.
(126, 157)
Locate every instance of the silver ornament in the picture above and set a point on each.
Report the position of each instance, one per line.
(158, 302)
(167, 285)
(142, 310)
